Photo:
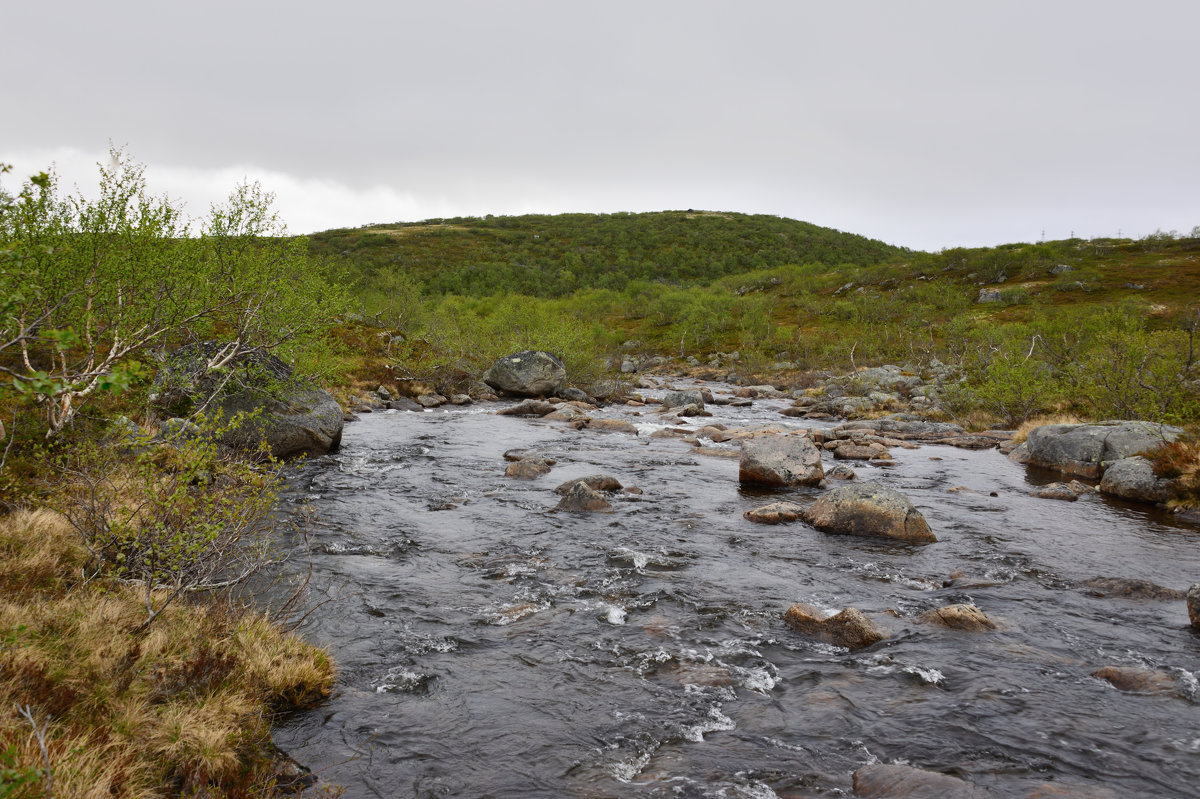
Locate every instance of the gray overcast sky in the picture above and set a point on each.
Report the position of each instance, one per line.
(924, 123)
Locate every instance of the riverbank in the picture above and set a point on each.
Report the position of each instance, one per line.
(101, 705)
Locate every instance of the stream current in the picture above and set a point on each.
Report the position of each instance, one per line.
(489, 646)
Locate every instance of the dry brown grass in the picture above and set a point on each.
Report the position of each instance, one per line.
(1026, 426)
(182, 709)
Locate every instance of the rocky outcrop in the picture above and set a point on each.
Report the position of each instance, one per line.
(780, 461)
(1087, 450)
(884, 781)
(1134, 478)
(775, 513)
(869, 509)
(287, 417)
(959, 617)
(529, 373)
(849, 629)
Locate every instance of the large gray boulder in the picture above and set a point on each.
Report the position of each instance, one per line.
(1088, 449)
(1134, 478)
(686, 403)
(869, 509)
(529, 373)
(780, 461)
(288, 417)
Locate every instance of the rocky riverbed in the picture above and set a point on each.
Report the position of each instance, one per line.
(540, 631)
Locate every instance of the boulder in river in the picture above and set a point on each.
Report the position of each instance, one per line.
(1088, 449)
(529, 373)
(289, 418)
(1193, 604)
(849, 629)
(612, 426)
(775, 513)
(780, 461)
(869, 509)
(959, 617)
(685, 403)
(888, 781)
(596, 482)
(581, 499)
(1134, 478)
(528, 468)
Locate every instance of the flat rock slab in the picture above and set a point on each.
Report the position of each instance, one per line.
(780, 461)
(775, 513)
(869, 509)
(849, 629)
(529, 407)
(1068, 492)
(612, 426)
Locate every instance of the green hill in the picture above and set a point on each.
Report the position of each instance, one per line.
(553, 256)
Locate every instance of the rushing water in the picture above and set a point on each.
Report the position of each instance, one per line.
(489, 646)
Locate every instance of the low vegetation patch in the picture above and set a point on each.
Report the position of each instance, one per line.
(97, 705)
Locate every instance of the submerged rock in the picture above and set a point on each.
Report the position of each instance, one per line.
(1068, 492)
(959, 617)
(1118, 587)
(581, 499)
(869, 509)
(884, 781)
(1136, 680)
(849, 629)
(780, 461)
(1088, 449)
(529, 373)
(775, 513)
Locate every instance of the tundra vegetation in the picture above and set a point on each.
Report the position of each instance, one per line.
(131, 663)
(133, 660)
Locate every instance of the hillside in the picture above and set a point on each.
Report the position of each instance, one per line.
(552, 256)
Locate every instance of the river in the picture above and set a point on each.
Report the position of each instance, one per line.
(489, 646)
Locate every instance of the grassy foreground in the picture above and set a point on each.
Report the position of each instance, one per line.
(96, 709)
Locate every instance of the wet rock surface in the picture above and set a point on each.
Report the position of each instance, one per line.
(775, 513)
(780, 461)
(869, 509)
(883, 781)
(959, 617)
(1087, 449)
(849, 629)
(1134, 478)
